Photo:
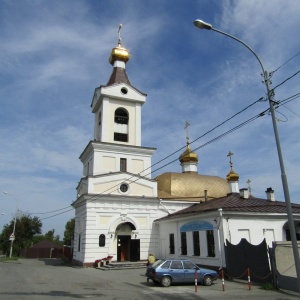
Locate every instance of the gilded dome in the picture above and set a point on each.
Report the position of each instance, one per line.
(232, 176)
(120, 54)
(190, 186)
(188, 155)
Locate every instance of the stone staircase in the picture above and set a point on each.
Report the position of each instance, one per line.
(115, 265)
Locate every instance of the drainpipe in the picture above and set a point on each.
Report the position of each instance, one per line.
(228, 230)
(219, 237)
(160, 203)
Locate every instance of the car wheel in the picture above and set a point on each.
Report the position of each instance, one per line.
(207, 280)
(166, 281)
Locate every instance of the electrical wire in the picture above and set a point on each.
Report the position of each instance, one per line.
(271, 73)
(220, 136)
(278, 85)
(96, 196)
(49, 212)
(291, 111)
(289, 99)
(222, 123)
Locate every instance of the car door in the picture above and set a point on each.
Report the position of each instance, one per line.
(176, 271)
(189, 271)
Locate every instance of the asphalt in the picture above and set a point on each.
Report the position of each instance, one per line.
(36, 279)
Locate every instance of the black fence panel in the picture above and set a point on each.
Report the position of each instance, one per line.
(244, 255)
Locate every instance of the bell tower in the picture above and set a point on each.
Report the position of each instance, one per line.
(116, 147)
(117, 105)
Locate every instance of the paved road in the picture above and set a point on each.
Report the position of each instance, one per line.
(31, 279)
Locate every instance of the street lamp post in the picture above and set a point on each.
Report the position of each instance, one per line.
(12, 237)
(203, 25)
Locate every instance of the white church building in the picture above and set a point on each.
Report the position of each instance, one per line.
(121, 212)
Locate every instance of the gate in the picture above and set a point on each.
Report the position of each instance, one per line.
(244, 255)
(283, 266)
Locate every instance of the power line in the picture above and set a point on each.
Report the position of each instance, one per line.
(286, 80)
(222, 123)
(221, 136)
(291, 111)
(49, 212)
(289, 99)
(96, 196)
(271, 73)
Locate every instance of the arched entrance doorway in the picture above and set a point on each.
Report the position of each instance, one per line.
(128, 249)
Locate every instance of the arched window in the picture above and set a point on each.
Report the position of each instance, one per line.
(101, 240)
(121, 125)
(121, 116)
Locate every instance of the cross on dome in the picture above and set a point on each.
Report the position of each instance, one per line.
(119, 35)
(230, 162)
(231, 176)
(187, 124)
(119, 54)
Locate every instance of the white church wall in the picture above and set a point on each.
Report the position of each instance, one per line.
(104, 122)
(173, 227)
(137, 166)
(131, 95)
(136, 187)
(103, 163)
(104, 216)
(80, 233)
(254, 229)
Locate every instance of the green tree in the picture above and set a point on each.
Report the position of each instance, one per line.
(37, 238)
(47, 236)
(69, 232)
(26, 227)
(51, 237)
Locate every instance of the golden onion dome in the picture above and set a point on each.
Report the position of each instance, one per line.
(188, 155)
(190, 186)
(119, 53)
(232, 176)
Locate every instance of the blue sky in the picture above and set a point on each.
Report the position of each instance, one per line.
(53, 54)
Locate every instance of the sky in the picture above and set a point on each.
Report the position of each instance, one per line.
(53, 54)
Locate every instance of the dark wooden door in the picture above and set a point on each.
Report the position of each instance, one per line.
(123, 251)
(134, 250)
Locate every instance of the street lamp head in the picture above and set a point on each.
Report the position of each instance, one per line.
(202, 25)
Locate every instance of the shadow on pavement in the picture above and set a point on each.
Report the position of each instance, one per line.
(53, 261)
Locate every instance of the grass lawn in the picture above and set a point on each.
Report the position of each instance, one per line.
(4, 259)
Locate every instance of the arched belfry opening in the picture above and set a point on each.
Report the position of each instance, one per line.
(121, 125)
(128, 244)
